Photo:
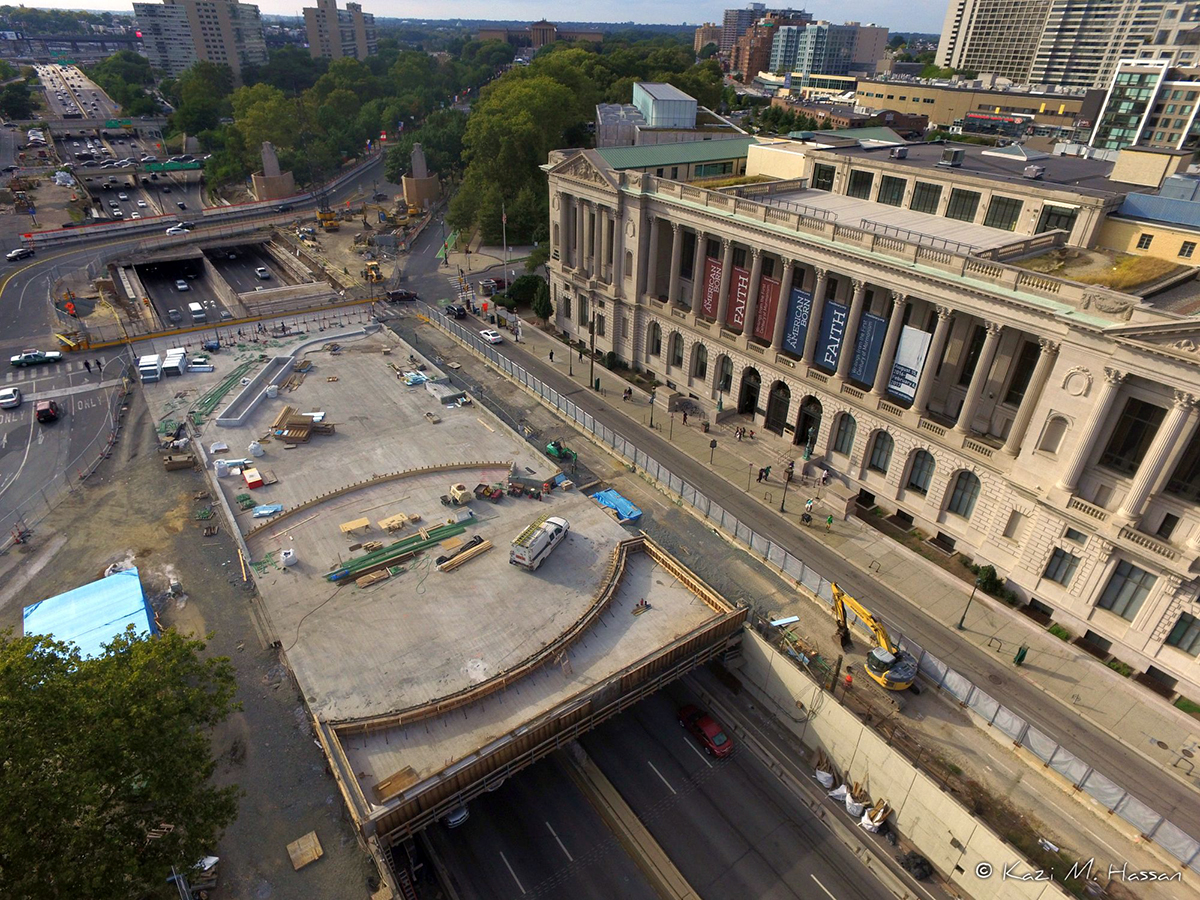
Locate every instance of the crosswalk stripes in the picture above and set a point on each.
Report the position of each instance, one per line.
(32, 373)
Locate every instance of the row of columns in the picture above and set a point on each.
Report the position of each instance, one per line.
(583, 239)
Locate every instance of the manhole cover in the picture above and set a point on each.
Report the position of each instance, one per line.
(995, 679)
(1162, 745)
(1187, 753)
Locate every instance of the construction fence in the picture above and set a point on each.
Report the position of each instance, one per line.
(1103, 789)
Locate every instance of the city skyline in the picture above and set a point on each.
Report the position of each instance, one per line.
(924, 15)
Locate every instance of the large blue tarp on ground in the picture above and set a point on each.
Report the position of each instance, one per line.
(93, 614)
(610, 498)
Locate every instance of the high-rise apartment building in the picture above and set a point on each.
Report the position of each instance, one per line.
(1072, 43)
(177, 33)
(334, 33)
(736, 22)
(827, 49)
(708, 33)
(752, 52)
(1176, 35)
(1150, 104)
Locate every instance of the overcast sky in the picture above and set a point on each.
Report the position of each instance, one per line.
(916, 15)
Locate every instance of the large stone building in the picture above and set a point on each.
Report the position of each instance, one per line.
(856, 305)
(334, 34)
(538, 35)
(177, 33)
(706, 34)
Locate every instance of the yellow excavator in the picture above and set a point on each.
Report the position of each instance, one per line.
(328, 219)
(372, 274)
(893, 668)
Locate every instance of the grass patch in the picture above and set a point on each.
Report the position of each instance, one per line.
(1121, 668)
(731, 181)
(1187, 706)
(1129, 272)
(1059, 632)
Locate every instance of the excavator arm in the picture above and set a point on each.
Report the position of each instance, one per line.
(887, 664)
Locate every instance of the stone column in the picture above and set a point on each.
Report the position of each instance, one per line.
(726, 267)
(578, 242)
(1151, 466)
(850, 335)
(602, 241)
(929, 373)
(814, 314)
(564, 228)
(979, 378)
(589, 241)
(676, 262)
(1105, 399)
(752, 299)
(785, 292)
(1033, 394)
(698, 271)
(618, 250)
(891, 340)
(652, 260)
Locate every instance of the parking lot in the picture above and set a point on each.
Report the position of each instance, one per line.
(239, 271)
(159, 280)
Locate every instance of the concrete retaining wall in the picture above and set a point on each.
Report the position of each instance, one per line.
(941, 828)
(287, 292)
(222, 289)
(290, 260)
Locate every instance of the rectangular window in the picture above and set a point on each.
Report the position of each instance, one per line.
(739, 257)
(1003, 213)
(1187, 249)
(1057, 217)
(1022, 371)
(1127, 590)
(1075, 536)
(1167, 526)
(1132, 436)
(971, 358)
(962, 205)
(926, 197)
(600, 326)
(1186, 634)
(891, 190)
(822, 179)
(1015, 529)
(688, 259)
(860, 184)
(1144, 241)
(1061, 567)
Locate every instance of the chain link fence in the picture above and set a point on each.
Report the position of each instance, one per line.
(1103, 789)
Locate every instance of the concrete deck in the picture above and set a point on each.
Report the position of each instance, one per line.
(617, 640)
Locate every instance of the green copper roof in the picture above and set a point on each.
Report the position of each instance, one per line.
(686, 152)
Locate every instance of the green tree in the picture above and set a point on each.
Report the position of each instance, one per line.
(538, 257)
(440, 136)
(709, 50)
(98, 753)
(541, 305)
(15, 102)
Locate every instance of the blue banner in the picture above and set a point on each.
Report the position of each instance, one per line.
(833, 331)
(799, 309)
(868, 344)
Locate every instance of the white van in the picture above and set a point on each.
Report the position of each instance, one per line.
(150, 368)
(531, 547)
(197, 312)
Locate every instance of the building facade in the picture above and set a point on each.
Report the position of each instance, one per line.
(735, 22)
(1176, 35)
(334, 33)
(1150, 104)
(1045, 427)
(997, 36)
(177, 33)
(706, 34)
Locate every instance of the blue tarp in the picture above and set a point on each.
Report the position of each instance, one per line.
(265, 512)
(93, 614)
(626, 510)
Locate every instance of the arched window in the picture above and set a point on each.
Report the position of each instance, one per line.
(921, 472)
(881, 453)
(655, 339)
(725, 376)
(843, 441)
(700, 361)
(676, 349)
(556, 235)
(628, 263)
(1052, 436)
(964, 495)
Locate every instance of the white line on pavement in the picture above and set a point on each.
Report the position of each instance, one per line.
(697, 752)
(24, 459)
(514, 874)
(560, 843)
(822, 887)
(660, 775)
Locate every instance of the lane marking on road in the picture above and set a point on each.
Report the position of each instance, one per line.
(511, 872)
(560, 843)
(24, 459)
(822, 887)
(697, 752)
(660, 775)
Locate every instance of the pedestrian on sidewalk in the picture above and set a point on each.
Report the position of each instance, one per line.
(685, 417)
(551, 356)
(808, 505)
(87, 365)
(828, 523)
(99, 368)
(766, 473)
(738, 434)
(581, 354)
(760, 475)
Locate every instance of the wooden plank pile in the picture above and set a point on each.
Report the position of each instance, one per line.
(292, 427)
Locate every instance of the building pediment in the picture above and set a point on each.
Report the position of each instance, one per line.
(583, 167)
(1178, 339)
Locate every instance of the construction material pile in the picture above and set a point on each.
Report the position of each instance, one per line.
(393, 554)
(294, 427)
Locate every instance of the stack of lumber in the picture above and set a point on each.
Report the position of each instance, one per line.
(477, 547)
(292, 427)
(395, 553)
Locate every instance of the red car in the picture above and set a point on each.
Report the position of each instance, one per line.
(705, 729)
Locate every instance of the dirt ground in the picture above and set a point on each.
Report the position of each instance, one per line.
(132, 510)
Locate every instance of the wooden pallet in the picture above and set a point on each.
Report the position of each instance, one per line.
(305, 850)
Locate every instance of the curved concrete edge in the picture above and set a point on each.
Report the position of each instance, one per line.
(249, 397)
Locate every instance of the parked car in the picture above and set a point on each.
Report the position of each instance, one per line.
(35, 358)
(705, 729)
(492, 337)
(10, 398)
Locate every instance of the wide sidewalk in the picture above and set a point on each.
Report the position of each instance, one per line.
(1082, 684)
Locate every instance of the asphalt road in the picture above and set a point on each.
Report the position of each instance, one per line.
(77, 90)
(537, 835)
(240, 272)
(159, 280)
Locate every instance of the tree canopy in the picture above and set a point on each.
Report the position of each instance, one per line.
(124, 76)
(105, 764)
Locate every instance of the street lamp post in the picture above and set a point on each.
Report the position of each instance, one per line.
(786, 481)
(592, 357)
(963, 618)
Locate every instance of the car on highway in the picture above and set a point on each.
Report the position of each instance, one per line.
(35, 358)
(402, 294)
(181, 204)
(47, 411)
(492, 337)
(19, 253)
(10, 168)
(705, 729)
(141, 204)
(122, 196)
(177, 229)
(181, 285)
(458, 312)
(263, 272)
(10, 398)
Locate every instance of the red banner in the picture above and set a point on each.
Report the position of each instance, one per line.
(712, 287)
(739, 293)
(768, 304)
